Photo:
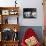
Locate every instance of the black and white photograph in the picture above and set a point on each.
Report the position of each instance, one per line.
(29, 12)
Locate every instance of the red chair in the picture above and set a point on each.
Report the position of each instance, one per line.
(29, 33)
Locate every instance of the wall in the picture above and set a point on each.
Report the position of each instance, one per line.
(27, 4)
(7, 3)
(32, 4)
(37, 30)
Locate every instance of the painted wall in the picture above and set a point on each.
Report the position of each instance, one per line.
(7, 3)
(37, 29)
(27, 4)
(32, 4)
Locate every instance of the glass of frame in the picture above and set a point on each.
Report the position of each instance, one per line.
(29, 12)
(5, 12)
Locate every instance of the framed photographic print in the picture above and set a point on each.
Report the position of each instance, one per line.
(13, 12)
(29, 12)
(5, 12)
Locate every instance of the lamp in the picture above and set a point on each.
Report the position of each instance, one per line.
(15, 3)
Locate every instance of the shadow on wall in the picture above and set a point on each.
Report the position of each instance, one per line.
(37, 29)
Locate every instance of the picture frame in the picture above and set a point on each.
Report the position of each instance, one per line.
(29, 12)
(5, 12)
(13, 12)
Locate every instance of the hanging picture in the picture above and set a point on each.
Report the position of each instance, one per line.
(5, 12)
(29, 12)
